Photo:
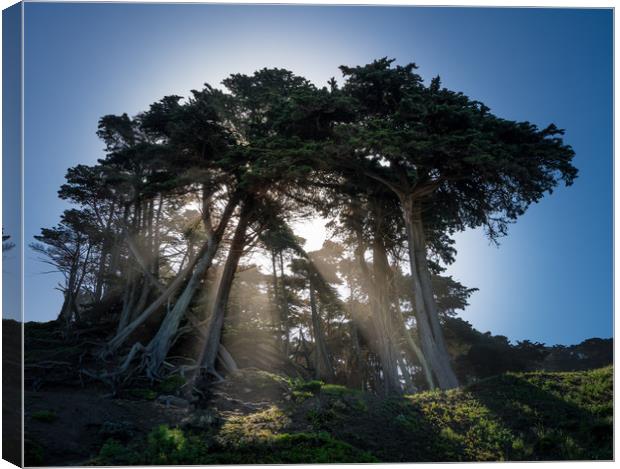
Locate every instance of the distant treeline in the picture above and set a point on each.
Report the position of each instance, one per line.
(479, 355)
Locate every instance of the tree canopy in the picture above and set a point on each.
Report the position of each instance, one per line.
(183, 236)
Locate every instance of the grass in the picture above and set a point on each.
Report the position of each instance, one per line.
(170, 446)
(513, 417)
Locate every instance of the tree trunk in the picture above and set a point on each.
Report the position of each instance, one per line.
(322, 364)
(226, 359)
(382, 310)
(409, 386)
(284, 308)
(105, 250)
(213, 335)
(123, 335)
(429, 330)
(158, 348)
(428, 375)
(277, 320)
(355, 373)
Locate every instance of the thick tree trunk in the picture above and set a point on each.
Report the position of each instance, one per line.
(429, 330)
(379, 333)
(226, 359)
(428, 375)
(208, 353)
(382, 309)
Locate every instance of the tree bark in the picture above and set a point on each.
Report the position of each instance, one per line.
(429, 330)
(158, 348)
(284, 308)
(382, 310)
(208, 353)
(105, 250)
(322, 363)
(123, 335)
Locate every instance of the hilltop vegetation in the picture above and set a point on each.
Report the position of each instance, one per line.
(259, 417)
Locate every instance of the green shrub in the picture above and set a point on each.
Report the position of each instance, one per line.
(296, 448)
(300, 396)
(171, 384)
(313, 386)
(143, 393)
(337, 390)
(168, 446)
(113, 453)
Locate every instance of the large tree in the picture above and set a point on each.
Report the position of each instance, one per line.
(448, 159)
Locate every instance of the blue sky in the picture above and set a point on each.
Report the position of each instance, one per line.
(551, 278)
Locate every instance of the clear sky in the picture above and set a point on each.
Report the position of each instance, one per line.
(551, 278)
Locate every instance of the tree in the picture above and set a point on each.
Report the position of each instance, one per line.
(188, 187)
(443, 154)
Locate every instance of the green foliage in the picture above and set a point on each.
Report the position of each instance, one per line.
(527, 416)
(513, 417)
(313, 386)
(174, 446)
(296, 448)
(113, 453)
(337, 390)
(143, 393)
(538, 416)
(301, 395)
(46, 416)
(259, 426)
(171, 384)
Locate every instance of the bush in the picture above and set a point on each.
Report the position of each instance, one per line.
(171, 384)
(143, 393)
(313, 386)
(168, 446)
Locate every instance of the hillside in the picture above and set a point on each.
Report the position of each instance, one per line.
(259, 417)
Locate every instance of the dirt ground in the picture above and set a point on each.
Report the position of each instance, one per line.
(76, 432)
(84, 418)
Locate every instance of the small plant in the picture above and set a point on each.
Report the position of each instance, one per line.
(336, 390)
(300, 396)
(46, 416)
(143, 393)
(313, 386)
(171, 384)
(113, 453)
(321, 419)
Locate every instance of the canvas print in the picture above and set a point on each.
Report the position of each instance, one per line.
(285, 234)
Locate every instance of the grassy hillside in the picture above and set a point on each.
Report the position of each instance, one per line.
(256, 417)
